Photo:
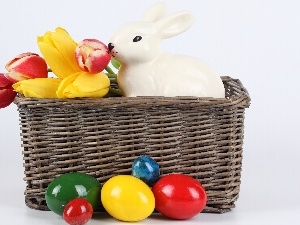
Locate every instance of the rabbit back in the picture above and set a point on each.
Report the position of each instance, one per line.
(170, 75)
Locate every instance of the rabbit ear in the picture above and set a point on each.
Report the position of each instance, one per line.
(155, 12)
(174, 24)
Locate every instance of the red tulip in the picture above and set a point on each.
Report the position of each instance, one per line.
(92, 55)
(7, 93)
(26, 66)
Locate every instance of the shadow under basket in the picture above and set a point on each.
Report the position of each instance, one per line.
(200, 137)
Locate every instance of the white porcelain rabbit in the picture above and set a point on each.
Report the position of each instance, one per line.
(147, 71)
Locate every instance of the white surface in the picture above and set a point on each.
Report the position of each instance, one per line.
(256, 41)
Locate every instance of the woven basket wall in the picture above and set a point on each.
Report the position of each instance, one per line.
(200, 137)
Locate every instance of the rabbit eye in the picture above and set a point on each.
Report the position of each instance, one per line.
(137, 38)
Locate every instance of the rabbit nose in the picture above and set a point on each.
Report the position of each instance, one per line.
(111, 46)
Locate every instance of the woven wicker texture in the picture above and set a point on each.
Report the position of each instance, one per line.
(200, 137)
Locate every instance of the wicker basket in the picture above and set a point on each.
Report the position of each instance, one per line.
(200, 137)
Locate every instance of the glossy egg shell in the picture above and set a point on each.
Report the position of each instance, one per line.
(179, 196)
(78, 211)
(69, 186)
(146, 169)
(127, 198)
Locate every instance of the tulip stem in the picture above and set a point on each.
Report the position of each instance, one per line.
(109, 70)
(115, 63)
(111, 75)
(113, 80)
(115, 91)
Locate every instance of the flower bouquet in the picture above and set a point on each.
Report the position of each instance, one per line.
(79, 76)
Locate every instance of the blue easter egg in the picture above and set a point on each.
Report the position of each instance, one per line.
(146, 169)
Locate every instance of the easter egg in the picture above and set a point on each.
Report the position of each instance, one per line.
(69, 186)
(127, 198)
(179, 196)
(146, 169)
(78, 211)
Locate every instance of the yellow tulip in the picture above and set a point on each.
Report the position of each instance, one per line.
(38, 87)
(84, 84)
(58, 49)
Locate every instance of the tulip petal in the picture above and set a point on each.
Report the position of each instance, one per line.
(66, 46)
(4, 81)
(58, 49)
(95, 94)
(27, 65)
(46, 39)
(64, 85)
(7, 96)
(55, 60)
(65, 33)
(87, 82)
(7, 93)
(83, 84)
(39, 87)
(15, 77)
(92, 55)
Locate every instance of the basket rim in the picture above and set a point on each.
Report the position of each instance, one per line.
(243, 100)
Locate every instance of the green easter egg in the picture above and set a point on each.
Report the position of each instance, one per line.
(69, 186)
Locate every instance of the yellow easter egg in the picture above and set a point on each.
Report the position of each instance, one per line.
(127, 198)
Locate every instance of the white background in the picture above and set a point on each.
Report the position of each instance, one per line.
(256, 41)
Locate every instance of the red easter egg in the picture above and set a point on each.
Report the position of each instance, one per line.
(78, 211)
(179, 196)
